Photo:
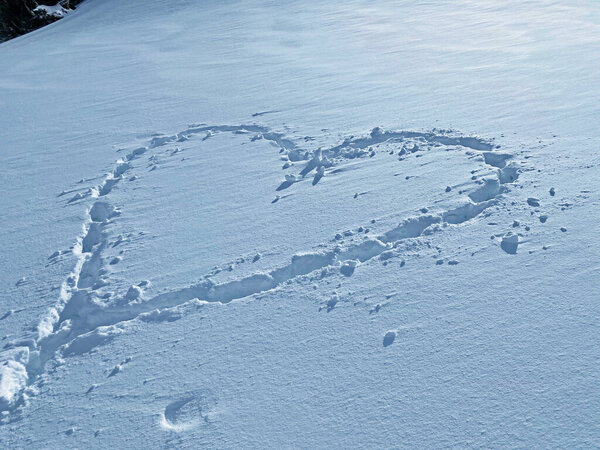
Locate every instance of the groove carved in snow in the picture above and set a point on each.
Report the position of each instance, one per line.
(80, 320)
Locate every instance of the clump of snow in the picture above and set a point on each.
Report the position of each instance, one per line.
(510, 243)
(13, 375)
(389, 338)
(133, 293)
(52, 10)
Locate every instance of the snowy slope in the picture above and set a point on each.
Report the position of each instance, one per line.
(289, 224)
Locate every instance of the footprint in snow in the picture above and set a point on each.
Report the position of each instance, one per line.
(182, 415)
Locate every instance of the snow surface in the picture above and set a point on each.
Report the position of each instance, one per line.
(302, 224)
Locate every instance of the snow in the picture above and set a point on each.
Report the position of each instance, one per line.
(54, 10)
(298, 225)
